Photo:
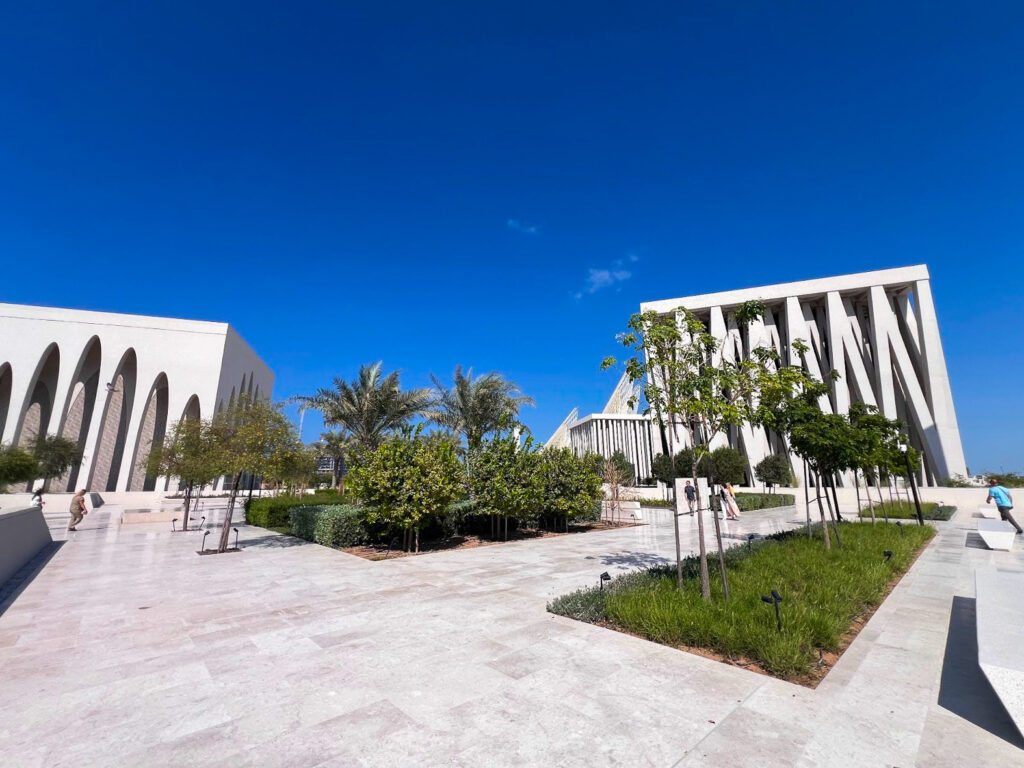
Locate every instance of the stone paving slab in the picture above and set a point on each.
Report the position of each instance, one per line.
(127, 649)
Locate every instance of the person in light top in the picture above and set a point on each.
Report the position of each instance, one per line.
(1004, 503)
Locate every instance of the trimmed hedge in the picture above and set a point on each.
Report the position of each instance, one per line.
(272, 511)
(335, 525)
(905, 510)
(748, 502)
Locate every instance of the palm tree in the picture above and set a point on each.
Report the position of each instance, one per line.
(476, 407)
(370, 407)
(337, 445)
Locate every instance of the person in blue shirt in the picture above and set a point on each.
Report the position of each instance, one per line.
(1004, 503)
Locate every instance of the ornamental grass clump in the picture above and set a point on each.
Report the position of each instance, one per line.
(823, 592)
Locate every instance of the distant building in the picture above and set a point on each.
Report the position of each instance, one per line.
(114, 383)
(879, 330)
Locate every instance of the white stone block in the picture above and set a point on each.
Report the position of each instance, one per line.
(1000, 611)
(988, 510)
(997, 534)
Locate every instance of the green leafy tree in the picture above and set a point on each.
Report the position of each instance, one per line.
(774, 470)
(790, 404)
(507, 480)
(408, 482)
(16, 466)
(54, 456)
(689, 383)
(189, 454)
(724, 464)
(572, 485)
(252, 436)
(370, 408)
(666, 468)
(293, 465)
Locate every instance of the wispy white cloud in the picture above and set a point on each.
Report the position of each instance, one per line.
(522, 226)
(598, 279)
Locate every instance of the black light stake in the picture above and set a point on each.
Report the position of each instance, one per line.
(888, 555)
(236, 537)
(604, 577)
(899, 524)
(774, 598)
(173, 527)
(203, 547)
(202, 520)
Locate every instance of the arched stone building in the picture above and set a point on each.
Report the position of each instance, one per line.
(115, 384)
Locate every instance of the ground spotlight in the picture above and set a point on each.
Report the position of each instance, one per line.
(604, 577)
(236, 537)
(774, 599)
(888, 555)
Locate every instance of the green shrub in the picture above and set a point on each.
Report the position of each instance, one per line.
(272, 511)
(823, 592)
(748, 502)
(905, 510)
(336, 525)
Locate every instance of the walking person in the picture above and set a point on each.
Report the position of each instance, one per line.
(734, 507)
(78, 510)
(691, 496)
(37, 498)
(1004, 503)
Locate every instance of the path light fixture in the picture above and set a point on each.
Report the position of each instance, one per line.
(236, 537)
(899, 524)
(604, 577)
(774, 599)
(173, 526)
(888, 555)
(202, 520)
(203, 548)
(750, 541)
(390, 545)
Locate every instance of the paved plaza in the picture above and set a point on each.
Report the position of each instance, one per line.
(127, 649)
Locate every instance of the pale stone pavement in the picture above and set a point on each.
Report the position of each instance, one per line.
(129, 650)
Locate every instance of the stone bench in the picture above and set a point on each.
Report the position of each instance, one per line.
(997, 534)
(1000, 612)
(989, 510)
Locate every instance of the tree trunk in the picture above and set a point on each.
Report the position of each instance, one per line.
(856, 484)
(807, 498)
(718, 536)
(188, 505)
(821, 510)
(835, 524)
(225, 530)
(705, 576)
(417, 538)
(839, 515)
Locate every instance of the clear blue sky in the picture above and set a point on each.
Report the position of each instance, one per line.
(434, 184)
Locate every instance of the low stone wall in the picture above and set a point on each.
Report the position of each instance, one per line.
(23, 533)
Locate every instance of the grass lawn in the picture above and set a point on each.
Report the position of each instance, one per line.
(824, 594)
(905, 510)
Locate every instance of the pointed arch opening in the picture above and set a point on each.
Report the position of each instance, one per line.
(79, 407)
(6, 384)
(151, 432)
(106, 464)
(39, 398)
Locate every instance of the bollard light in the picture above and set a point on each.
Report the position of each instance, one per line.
(774, 599)
(604, 577)
(236, 537)
(173, 527)
(899, 524)
(888, 555)
(202, 520)
(203, 548)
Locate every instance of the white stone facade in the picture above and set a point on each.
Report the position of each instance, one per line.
(114, 384)
(879, 330)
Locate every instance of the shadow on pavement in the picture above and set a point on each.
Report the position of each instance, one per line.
(634, 559)
(963, 690)
(11, 589)
(270, 541)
